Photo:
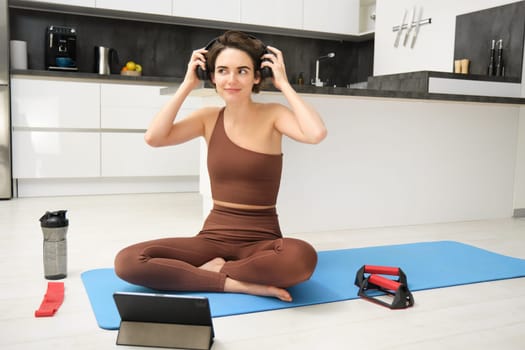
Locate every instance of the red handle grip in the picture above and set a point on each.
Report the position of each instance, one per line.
(382, 270)
(384, 282)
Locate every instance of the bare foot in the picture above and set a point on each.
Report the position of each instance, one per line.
(214, 265)
(235, 286)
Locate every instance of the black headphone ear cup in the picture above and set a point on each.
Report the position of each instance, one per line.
(202, 74)
(266, 72)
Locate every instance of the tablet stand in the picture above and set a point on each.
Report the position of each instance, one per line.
(167, 335)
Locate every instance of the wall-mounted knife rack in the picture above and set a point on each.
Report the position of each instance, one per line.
(405, 26)
(415, 23)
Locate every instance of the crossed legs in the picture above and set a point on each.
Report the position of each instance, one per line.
(201, 263)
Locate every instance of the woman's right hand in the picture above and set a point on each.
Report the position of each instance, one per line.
(197, 59)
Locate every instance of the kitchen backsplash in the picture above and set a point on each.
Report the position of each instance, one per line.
(164, 49)
(475, 32)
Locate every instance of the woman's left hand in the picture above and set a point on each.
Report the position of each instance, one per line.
(275, 61)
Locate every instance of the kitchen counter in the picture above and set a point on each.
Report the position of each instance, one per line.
(458, 86)
(94, 77)
(388, 88)
(402, 80)
(395, 160)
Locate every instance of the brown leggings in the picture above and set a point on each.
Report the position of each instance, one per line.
(249, 240)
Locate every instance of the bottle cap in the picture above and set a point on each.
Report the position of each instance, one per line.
(54, 219)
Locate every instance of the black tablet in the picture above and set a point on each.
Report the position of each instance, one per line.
(164, 320)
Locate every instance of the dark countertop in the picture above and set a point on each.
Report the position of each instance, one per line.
(94, 77)
(436, 74)
(304, 89)
(419, 81)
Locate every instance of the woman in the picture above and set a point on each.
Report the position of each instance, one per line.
(240, 248)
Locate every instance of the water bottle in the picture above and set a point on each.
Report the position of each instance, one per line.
(54, 227)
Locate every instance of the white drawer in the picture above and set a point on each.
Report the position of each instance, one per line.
(54, 104)
(38, 154)
(126, 154)
(129, 106)
(135, 106)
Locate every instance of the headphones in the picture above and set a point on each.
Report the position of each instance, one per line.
(266, 72)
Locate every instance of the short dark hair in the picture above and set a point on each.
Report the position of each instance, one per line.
(241, 41)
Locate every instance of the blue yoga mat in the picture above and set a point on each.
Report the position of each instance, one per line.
(427, 265)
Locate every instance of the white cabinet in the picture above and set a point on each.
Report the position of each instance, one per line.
(86, 3)
(274, 13)
(54, 128)
(130, 109)
(134, 106)
(126, 154)
(54, 104)
(129, 106)
(332, 16)
(226, 11)
(53, 154)
(347, 17)
(367, 16)
(69, 129)
(159, 7)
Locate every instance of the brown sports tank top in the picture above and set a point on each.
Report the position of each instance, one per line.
(238, 175)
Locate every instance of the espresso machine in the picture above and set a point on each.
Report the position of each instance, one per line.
(61, 48)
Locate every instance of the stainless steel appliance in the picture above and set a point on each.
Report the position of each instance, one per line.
(105, 57)
(6, 190)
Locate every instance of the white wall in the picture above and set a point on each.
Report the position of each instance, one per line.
(434, 49)
(519, 181)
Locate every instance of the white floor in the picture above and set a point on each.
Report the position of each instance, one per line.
(480, 316)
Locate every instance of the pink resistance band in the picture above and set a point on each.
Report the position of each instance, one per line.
(52, 300)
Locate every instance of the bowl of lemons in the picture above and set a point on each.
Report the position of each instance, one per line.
(131, 69)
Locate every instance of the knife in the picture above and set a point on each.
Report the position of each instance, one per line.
(416, 31)
(409, 28)
(396, 43)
